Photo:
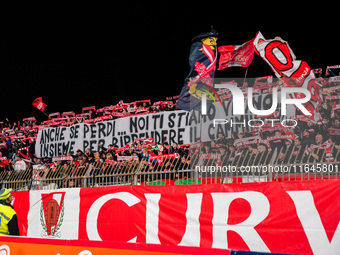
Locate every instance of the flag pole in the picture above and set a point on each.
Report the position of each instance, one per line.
(38, 103)
(42, 112)
(245, 75)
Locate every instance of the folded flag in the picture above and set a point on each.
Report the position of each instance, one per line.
(236, 55)
(202, 62)
(3, 161)
(296, 73)
(38, 103)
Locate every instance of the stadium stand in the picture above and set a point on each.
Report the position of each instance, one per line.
(309, 151)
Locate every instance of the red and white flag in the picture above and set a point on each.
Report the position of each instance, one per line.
(236, 55)
(296, 73)
(38, 103)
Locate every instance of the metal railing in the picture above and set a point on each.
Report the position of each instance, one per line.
(202, 168)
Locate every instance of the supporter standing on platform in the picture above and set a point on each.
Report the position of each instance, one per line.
(8, 217)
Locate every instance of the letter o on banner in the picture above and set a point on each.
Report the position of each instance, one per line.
(278, 54)
(92, 215)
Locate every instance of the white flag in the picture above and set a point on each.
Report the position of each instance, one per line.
(54, 214)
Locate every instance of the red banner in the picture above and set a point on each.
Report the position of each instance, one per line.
(236, 55)
(288, 217)
(21, 207)
(38, 103)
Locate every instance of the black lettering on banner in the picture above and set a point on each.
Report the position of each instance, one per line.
(229, 107)
(57, 133)
(172, 136)
(193, 120)
(86, 130)
(193, 134)
(62, 140)
(161, 121)
(171, 121)
(110, 128)
(51, 150)
(187, 119)
(72, 132)
(133, 125)
(267, 101)
(66, 147)
(42, 147)
(63, 129)
(143, 123)
(180, 115)
(210, 133)
(101, 129)
(121, 142)
(50, 135)
(155, 117)
(93, 131)
(127, 140)
(211, 112)
(164, 136)
(257, 103)
(156, 136)
(139, 123)
(76, 131)
(59, 149)
(42, 137)
(114, 142)
(225, 106)
(92, 144)
(133, 137)
(180, 135)
(71, 150)
(85, 145)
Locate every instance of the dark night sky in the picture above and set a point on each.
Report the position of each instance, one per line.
(97, 55)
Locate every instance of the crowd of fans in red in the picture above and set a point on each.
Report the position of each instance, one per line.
(307, 142)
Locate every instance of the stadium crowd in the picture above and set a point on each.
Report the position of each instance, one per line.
(307, 142)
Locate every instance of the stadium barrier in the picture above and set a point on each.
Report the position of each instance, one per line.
(204, 168)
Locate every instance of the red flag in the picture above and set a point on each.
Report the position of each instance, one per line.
(236, 55)
(38, 103)
(3, 161)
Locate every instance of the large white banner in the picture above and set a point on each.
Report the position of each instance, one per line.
(166, 126)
